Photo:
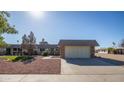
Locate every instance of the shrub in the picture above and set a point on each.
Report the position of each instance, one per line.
(26, 58)
(22, 58)
(111, 50)
(16, 58)
(45, 53)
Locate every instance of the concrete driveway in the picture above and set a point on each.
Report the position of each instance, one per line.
(94, 66)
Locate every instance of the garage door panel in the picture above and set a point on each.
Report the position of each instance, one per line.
(77, 52)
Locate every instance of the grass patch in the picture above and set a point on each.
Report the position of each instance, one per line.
(16, 58)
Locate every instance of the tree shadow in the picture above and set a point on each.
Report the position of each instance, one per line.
(95, 62)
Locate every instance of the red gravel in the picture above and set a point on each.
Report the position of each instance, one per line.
(38, 66)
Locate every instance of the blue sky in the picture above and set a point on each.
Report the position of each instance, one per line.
(105, 27)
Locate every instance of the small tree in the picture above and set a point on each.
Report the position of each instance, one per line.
(29, 43)
(32, 41)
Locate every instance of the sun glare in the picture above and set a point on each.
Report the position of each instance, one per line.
(37, 14)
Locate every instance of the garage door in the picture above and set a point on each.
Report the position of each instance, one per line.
(77, 52)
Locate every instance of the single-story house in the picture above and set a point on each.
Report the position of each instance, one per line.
(102, 50)
(13, 49)
(77, 48)
(16, 49)
(119, 50)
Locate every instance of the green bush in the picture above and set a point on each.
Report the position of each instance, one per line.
(22, 58)
(111, 50)
(16, 58)
(45, 53)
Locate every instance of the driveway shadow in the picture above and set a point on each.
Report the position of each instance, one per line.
(95, 62)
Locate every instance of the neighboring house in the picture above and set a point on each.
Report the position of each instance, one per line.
(52, 48)
(77, 48)
(16, 49)
(2, 51)
(13, 49)
(119, 50)
(102, 50)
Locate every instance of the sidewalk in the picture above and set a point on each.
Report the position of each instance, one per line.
(61, 78)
